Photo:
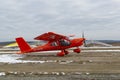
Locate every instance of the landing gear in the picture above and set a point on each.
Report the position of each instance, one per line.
(66, 52)
(77, 50)
(62, 53)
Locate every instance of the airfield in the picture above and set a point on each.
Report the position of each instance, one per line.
(93, 63)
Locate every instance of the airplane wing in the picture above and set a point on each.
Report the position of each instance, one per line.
(50, 36)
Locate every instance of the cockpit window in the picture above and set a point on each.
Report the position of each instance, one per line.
(64, 42)
(54, 44)
(61, 42)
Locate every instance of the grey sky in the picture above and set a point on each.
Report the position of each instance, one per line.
(99, 19)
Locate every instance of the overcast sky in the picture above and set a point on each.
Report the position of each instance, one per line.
(99, 19)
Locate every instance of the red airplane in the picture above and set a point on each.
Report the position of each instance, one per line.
(55, 42)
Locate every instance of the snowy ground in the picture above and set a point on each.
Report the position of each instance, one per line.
(15, 58)
(90, 64)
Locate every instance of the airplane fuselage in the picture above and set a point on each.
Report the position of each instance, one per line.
(55, 42)
(57, 45)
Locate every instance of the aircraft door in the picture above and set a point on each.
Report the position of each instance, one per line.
(64, 42)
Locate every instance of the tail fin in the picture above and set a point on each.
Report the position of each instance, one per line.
(23, 45)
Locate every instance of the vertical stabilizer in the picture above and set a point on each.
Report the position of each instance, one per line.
(23, 45)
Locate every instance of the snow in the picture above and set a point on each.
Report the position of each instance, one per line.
(2, 74)
(95, 47)
(101, 51)
(13, 58)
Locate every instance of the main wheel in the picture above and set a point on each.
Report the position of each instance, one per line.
(66, 52)
(61, 54)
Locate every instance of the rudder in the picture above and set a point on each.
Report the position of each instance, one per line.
(23, 45)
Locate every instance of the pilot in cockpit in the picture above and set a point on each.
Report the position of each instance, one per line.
(64, 42)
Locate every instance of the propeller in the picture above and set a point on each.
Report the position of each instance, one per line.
(84, 43)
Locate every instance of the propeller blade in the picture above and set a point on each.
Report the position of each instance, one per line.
(84, 43)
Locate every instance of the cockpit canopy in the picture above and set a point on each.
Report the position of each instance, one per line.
(61, 42)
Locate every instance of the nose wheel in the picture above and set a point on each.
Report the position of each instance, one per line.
(77, 50)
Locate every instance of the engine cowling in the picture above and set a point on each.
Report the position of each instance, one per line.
(78, 50)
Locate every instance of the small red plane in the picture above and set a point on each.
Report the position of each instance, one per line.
(54, 42)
